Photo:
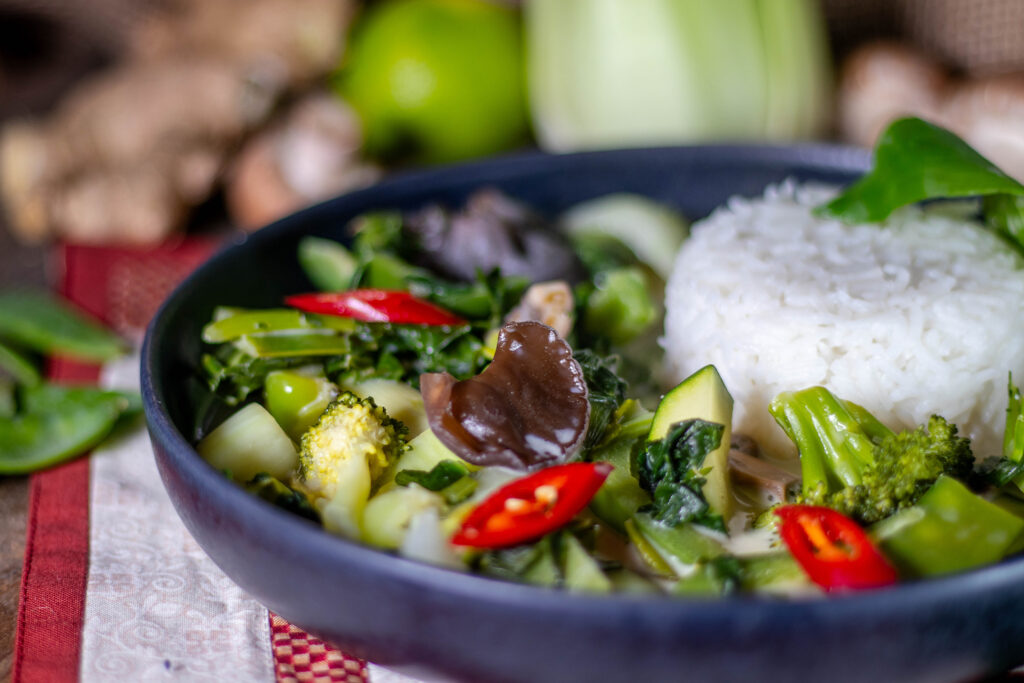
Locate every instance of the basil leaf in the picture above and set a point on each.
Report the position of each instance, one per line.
(915, 161)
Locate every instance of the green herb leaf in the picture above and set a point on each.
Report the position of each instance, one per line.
(442, 475)
(668, 469)
(43, 323)
(915, 161)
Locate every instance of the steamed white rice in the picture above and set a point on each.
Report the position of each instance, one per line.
(923, 315)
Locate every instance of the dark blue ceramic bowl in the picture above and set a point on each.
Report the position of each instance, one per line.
(398, 612)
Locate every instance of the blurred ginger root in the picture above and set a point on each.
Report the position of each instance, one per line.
(884, 81)
(310, 153)
(126, 155)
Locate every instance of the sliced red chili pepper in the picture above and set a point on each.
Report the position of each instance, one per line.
(528, 508)
(375, 306)
(833, 550)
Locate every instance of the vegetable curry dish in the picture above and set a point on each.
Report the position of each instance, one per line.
(549, 400)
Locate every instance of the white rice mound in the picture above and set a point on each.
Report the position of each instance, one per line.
(922, 315)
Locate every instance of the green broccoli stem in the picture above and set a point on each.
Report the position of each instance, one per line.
(835, 438)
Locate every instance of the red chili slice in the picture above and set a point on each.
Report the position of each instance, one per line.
(375, 306)
(528, 508)
(833, 550)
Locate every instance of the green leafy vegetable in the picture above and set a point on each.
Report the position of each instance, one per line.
(442, 475)
(668, 469)
(917, 161)
(606, 392)
(40, 322)
(404, 352)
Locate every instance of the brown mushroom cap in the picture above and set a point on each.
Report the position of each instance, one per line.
(527, 409)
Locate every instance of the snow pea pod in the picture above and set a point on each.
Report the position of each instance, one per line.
(38, 321)
(20, 368)
(57, 423)
(950, 529)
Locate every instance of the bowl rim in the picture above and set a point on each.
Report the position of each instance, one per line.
(300, 534)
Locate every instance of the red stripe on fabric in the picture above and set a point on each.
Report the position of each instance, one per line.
(51, 605)
(121, 287)
(52, 598)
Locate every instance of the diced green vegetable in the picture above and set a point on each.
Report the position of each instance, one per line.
(679, 547)
(718, 576)
(949, 530)
(702, 395)
(327, 264)
(56, 423)
(387, 515)
(544, 571)
(402, 402)
(423, 454)
(248, 443)
(653, 232)
(620, 496)
(620, 307)
(43, 323)
(297, 399)
(582, 573)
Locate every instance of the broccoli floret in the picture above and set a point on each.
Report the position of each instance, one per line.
(851, 462)
(343, 455)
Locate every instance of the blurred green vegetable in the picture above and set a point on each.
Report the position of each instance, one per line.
(436, 80)
(606, 73)
(41, 322)
(56, 423)
(949, 530)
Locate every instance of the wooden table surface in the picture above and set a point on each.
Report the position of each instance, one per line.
(19, 267)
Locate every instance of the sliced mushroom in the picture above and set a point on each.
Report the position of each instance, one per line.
(762, 475)
(492, 231)
(527, 409)
(550, 303)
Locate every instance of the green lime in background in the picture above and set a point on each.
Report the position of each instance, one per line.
(437, 80)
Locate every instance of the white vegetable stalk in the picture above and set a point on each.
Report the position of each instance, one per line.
(617, 73)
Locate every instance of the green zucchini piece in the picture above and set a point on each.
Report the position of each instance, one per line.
(327, 264)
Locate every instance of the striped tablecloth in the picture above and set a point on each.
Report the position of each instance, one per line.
(113, 587)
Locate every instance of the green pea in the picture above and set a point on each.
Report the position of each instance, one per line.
(296, 399)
